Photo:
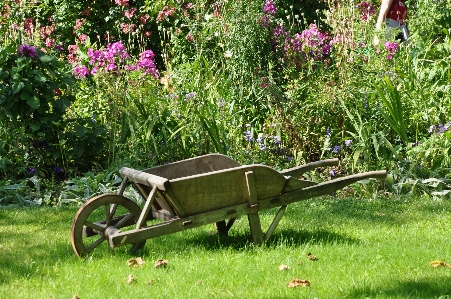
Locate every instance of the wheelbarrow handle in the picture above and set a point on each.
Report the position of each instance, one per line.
(145, 178)
(300, 170)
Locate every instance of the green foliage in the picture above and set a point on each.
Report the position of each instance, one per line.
(306, 72)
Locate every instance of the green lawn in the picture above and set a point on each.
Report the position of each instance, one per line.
(366, 249)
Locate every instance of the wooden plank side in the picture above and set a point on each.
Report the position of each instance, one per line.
(215, 190)
(193, 166)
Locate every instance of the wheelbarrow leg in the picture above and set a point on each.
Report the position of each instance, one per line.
(254, 219)
(275, 222)
(223, 227)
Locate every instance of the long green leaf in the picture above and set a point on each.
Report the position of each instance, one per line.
(391, 100)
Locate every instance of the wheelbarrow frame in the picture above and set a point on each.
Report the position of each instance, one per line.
(204, 175)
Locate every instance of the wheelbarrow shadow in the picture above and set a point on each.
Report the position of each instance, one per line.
(287, 237)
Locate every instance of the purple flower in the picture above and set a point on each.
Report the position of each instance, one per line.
(31, 170)
(336, 149)
(391, 48)
(366, 9)
(262, 147)
(130, 67)
(58, 169)
(416, 144)
(332, 173)
(148, 54)
(190, 95)
(443, 128)
(276, 140)
(80, 71)
(269, 7)
(348, 142)
(280, 30)
(111, 67)
(27, 51)
(328, 131)
(431, 128)
(59, 47)
(248, 136)
(289, 159)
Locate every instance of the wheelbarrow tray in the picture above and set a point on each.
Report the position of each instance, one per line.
(215, 188)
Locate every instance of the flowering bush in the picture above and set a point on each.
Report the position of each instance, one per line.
(35, 93)
(114, 58)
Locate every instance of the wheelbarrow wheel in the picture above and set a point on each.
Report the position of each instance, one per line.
(101, 216)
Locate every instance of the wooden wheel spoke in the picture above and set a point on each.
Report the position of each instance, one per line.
(107, 215)
(123, 220)
(95, 244)
(94, 226)
(102, 212)
(113, 209)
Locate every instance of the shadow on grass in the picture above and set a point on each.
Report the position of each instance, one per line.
(422, 287)
(30, 237)
(287, 237)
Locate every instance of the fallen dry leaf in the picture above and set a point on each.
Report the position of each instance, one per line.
(437, 264)
(75, 297)
(136, 262)
(199, 282)
(284, 267)
(298, 283)
(131, 279)
(161, 263)
(312, 257)
(298, 262)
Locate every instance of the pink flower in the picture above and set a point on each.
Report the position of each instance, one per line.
(49, 42)
(129, 13)
(82, 38)
(79, 23)
(73, 49)
(164, 13)
(72, 59)
(121, 2)
(143, 18)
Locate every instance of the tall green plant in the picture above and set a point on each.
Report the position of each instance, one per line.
(391, 99)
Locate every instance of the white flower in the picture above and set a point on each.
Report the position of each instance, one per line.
(228, 54)
(208, 17)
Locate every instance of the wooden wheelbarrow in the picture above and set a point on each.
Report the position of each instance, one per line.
(194, 192)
